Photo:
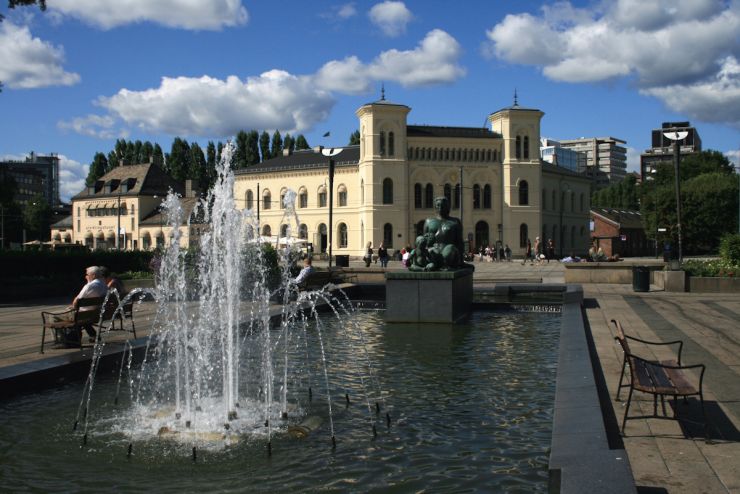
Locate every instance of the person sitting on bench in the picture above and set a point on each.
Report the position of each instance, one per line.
(305, 272)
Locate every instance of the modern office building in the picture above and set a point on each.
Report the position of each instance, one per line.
(606, 158)
(552, 152)
(662, 147)
(34, 175)
(384, 188)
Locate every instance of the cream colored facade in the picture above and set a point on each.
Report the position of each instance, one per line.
(383, 189)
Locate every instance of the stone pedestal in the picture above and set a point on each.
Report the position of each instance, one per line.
(438, 296)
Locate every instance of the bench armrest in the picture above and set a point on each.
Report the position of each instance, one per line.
(45, 314)
(660, 343)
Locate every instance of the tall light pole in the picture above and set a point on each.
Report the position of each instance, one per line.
(676, 137)
(118, 226)
(330, 153)
(562, 206)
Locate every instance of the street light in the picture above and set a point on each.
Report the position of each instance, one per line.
(677, 136)
(562, 206)
(653, 170)
(330, 153)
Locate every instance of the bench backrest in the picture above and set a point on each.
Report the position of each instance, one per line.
(88, 315)
(620, 337)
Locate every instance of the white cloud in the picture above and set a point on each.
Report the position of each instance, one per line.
(664, 45)
(209, 107)
(714, 100)
(734, 157)
(186, 14)
(27, 62)
(391, 17)
(633, 160)
(94, 126)
(347, 10)
(434, 61)
(72, 175)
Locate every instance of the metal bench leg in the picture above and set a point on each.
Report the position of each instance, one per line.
(626, 410)
(43, 335)
(621, 378)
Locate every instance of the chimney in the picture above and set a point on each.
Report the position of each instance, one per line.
(287, 152)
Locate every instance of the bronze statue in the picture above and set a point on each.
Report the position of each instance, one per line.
(440, 246)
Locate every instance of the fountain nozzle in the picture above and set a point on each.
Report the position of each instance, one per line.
(269, 448)
(195, 456)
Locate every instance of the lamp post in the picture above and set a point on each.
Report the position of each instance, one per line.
(651, 178)
(118, 225)
(560, 226)
(677, 136)
(330, 153)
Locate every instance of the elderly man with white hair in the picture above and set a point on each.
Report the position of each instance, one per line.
(95, 287)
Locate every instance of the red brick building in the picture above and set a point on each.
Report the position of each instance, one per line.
(619, 231)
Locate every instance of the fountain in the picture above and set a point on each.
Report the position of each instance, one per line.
(236, 393)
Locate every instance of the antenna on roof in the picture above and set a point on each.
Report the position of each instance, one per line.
(516, 100)
(382, 91)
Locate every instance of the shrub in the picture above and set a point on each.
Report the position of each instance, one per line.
(729, 248)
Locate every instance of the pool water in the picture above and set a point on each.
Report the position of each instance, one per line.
(470, 405)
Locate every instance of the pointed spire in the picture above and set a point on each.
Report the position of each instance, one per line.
(382, 91)
(516, 100)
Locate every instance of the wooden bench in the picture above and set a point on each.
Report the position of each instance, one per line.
(71, 321)
(318, 279)
(115, 312)
(659, 378)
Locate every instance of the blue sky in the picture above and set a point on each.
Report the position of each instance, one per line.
(87, 72)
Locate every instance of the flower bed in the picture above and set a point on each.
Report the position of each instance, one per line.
(719, 268)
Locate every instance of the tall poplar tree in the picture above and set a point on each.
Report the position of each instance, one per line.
(98, 168)
(276, 148)
(301, 142)
(179, 159)
(240, 154)
(265, 145)
(158, 156)
(253, 149)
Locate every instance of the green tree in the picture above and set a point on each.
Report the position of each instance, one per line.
(289, 143)
(253, 149)
(354, 138)
(301, 142)
(624, 195)
(112, 161)
(98, 168)
(36, 217)
(210, 175)
(198, 170)
(146, 152)
(179, 159)
(265, 145)
(276, 148)
(240, 154)
(158, 156)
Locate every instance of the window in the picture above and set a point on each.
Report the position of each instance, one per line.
(487, 196)
(417, 196)
(284, 230)
(387, 191)
(448, 193)
(266, 231)
(523, 193)
(382, 143)
(429, 196)
(523, 235)
(342, 233)
(456, 202)
(303, 199)
(322, 197)
(266, 200)
(388, 235)
(526, 147)
(342, 196)
(476, 196)
(250, 200)
(303, 231)
(391, 144)
(518, 150)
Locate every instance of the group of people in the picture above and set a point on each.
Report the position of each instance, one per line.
(539, 253)
(98, 281)
(499, 253)
(370, 256)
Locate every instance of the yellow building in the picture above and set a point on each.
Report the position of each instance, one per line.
(384, 188)
(128, 199)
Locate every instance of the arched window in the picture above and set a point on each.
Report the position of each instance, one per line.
(523, 193)
(267, 231)
(482, 236)
(429, 196)
(544, 199)
(266, 200)
(417, 195)
(518, 149)
(420, 228)
(342, 195)
(387, 191)
(487, 196)
(322, 196)
(388, 235)
(284, 230)
(523, 235)
(282, 198)
(526, 147)
(456, 202)
(448, 193)
(562, 201)
(391, 144)
(342, 234)
(303, 231)
(382, 143)
(476, 196)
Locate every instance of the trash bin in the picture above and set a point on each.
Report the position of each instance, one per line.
(640, 278)
(342, 261)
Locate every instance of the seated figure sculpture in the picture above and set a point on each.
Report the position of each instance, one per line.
(440, 246)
